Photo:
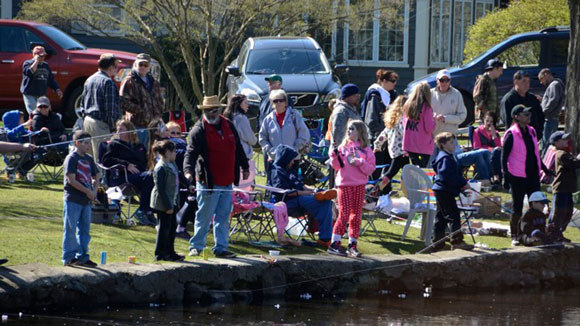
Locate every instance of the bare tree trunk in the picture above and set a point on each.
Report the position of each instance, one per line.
(573, 75)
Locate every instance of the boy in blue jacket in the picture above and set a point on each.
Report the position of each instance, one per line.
(15, 126)
(447, 185)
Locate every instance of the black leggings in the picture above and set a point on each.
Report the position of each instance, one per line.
(396, 165)
(419, 159)
(520, 187)
(164, 244)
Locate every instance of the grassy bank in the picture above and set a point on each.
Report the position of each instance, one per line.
(31, 231)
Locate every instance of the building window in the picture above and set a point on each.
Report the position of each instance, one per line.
(105, 27)
(377, 40)
(450, 20)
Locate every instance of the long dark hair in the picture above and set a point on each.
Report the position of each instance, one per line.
(234, 106)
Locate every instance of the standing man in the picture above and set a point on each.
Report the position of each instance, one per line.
(101, 102)
(213, 160)
(450, 112)
(274, 82)
(36, 77)
(520, 94)
(552, 104)
(141, 96)
(485, 91)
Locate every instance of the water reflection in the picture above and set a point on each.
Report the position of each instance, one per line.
(533, 307)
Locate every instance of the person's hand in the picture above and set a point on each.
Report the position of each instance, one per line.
(245, 174)
(91, 195)
(59, 93)
(132, 168)
(44, 129)
(27, 123)
(62, 137)
(38, 58)
(440, 118)
(169, 211)
(538, 97)
(28, 147)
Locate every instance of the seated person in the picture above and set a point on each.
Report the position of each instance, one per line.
(176, 137)
(48, 122)
(532, 226)
(487, 137)
(17, 132)
(283, 175)
(125, 149)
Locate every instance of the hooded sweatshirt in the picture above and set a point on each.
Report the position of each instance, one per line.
(448, 177)
(357, 173)
(280, 176)
(14, 130)
(418, 135)
(374, 104)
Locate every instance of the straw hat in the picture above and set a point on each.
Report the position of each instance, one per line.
(210, 102)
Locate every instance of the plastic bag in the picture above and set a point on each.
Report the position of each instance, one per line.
(385, 204)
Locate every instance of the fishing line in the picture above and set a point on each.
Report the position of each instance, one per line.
(509, 211)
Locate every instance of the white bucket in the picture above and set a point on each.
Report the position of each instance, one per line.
(471, 194)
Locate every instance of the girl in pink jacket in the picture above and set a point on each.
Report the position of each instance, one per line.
(419, 125)
(355, 161)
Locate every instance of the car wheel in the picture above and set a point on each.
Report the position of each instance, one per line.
(470, 106)
(73, 102)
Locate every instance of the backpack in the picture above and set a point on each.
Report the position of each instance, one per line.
(306, 147)
(480, 89)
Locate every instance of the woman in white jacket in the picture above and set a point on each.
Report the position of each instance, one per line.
(282, 126)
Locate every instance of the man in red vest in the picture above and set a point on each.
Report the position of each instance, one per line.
(213, 159)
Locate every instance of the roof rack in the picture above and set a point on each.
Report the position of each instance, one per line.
(552, 29)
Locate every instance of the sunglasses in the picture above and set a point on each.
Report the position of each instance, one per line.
(279, 100)
(42, 107)
(175, 133)
(143, 64)
(351, 128)
(444, 80)
(393, 80)
(213, 111)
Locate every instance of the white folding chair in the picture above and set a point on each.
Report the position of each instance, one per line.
(417, 186)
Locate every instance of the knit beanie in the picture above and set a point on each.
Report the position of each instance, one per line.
(348, 90)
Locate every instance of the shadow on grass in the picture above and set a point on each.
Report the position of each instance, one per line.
(392, 242)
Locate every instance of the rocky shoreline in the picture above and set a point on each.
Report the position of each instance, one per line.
(247, 278)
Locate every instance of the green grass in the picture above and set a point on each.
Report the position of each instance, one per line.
(31, 231)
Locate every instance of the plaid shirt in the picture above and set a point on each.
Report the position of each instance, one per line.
(100, 99)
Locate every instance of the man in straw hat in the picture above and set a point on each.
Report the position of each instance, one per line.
(214, 156)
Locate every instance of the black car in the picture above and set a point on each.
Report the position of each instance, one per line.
(530, 52)
(307, 76)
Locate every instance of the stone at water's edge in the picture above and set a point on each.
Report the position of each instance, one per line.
(36, 285)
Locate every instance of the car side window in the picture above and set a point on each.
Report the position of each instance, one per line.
(13, 39)
(31, 38)
(242, 57)
(559, 50)
(525, 54)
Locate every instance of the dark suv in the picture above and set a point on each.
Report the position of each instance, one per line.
(307, 76)
(530, 52)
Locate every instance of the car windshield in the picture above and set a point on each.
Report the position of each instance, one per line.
(287, 61)
(483, 54)
(64, 40)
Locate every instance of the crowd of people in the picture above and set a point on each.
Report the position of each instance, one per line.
(217, 155)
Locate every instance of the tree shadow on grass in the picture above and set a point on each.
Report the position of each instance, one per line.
(393, 243)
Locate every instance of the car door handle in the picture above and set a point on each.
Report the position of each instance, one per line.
(7, 61)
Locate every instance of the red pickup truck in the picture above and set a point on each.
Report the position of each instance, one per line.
(71, 63)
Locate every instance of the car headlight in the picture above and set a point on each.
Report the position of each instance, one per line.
(121, 74)
(333, 94)
(251, 94)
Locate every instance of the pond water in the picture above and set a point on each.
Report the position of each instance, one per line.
(531, 307)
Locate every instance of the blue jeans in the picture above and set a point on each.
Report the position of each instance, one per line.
(550, 126)
(495, 161)
(321, 210)
(76, 235)
(30, 103)
(481, 159)
(216, 204)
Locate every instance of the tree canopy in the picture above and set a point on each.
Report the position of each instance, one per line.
(520, 16)
(194, 40)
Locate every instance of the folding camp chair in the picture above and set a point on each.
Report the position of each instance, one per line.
(19, 161)
(50, 159)
(251, 216)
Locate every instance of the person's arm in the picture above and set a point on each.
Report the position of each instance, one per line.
(52, 82)
(366, 164)
(569, 162)
(6, 147)
(338, 122)
(503, 114)
(245, 131)
(477, 138)
(335, 159)
(71, 178)
(111, 156)
(428, 121)
(372, 117)
(191, 155)
(128, 101)
(460, 113)
(551, 99)
(303, 133)
(507, 145)
(29, 67)
(264, 139)
(240, 155)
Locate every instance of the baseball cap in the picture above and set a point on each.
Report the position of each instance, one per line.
(43, 100)
(143, 57)
(538, 196)
(443, 73)
(493, 63)
(558, 135)
(519, 109)
(273, 78)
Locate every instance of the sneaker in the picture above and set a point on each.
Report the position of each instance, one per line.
(88, 263)
(515, 242)
(336, 249)
(322, 243)
(353, 250)
(566, 240)
(141, 218)
(183, 235)
(176, 257)
(461, 245)
(225, 254)
(195, 252)
(325, 195)
(72, 262)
